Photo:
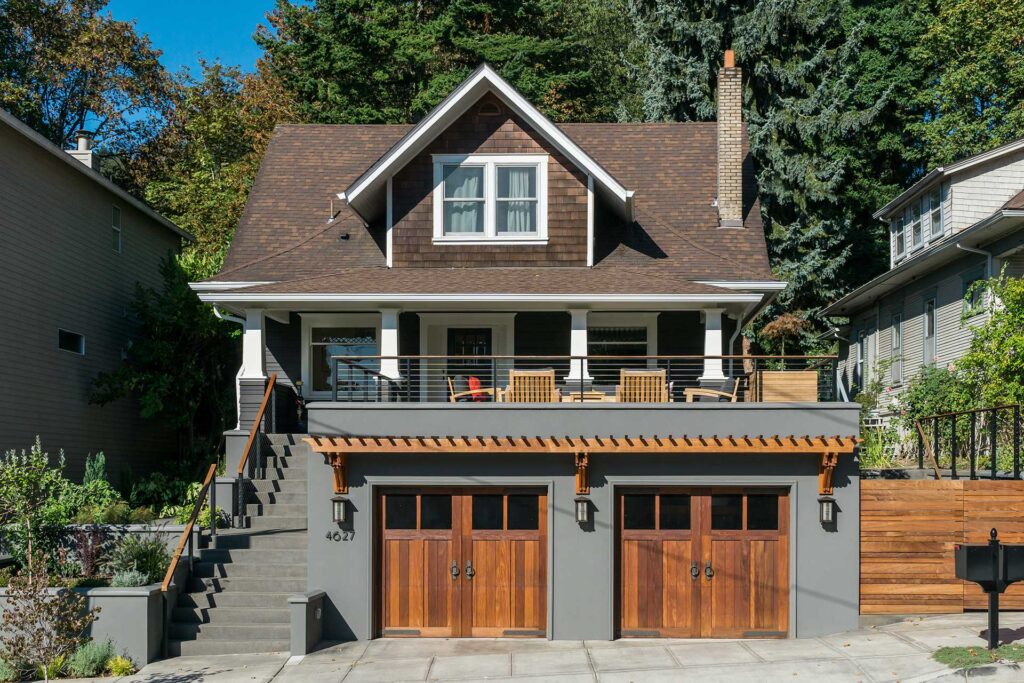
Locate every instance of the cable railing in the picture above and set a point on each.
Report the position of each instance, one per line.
(479, 379)
(983, 442)
(250, 467)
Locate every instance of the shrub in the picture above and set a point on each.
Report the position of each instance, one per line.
(159, 490)
(7, 672)
(5, 576)
(95, 469)
(129, 578)
(52, 669)
(147, 555)
(120, 666)
(28, 485)
(143, 515)
(90, 546)
(91, 659)
(117, 513)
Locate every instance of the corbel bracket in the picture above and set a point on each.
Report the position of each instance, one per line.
(339, 464)
(582, 474)
(828, 466)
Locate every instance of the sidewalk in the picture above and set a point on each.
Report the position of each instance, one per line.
(893, 652)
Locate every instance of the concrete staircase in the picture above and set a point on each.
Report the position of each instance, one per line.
(237, 598)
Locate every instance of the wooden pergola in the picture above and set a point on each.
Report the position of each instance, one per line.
(335, 449)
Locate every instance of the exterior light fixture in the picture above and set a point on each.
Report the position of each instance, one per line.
(582, 510)
(339, 505)
(827, 510)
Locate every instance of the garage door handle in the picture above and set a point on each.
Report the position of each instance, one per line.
(455, 570)
(708, 571)
(470, 572)
(694, 570)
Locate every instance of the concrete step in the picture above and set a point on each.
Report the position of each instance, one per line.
(285, 439)
(205, 570)
(280, 540)
(183, 631)
(253, 556)
(278, 522)
(200, 648)
(279, 485)
(230, 615)
(279, 498)
(251, 584)
(208, 599)
(276, 510)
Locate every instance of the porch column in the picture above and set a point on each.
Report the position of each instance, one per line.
(712, 345)
(253, 355)
(389, 342)
(578, 346)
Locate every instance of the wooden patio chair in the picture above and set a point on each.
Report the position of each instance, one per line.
(729, 393)
(468, 394)
(642, 386)
(532, 386)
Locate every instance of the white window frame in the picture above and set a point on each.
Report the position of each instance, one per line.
(929, 330)
(900, 236)
(490, 162)
(81, 341)
(861, 360)
(116, 221)
(311, 320)
(896, 348)
(932, 209)
(916, 236)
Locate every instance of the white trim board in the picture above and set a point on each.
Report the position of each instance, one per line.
(213, 297)
(359, 195)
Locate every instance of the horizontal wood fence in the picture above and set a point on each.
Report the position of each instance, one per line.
(907, 532)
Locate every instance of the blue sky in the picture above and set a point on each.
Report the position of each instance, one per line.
(186, 30)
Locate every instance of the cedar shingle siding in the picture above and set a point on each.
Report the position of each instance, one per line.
(476, 133)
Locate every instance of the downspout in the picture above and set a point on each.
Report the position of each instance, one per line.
(839, 380)
(989, 256)
(238, 387)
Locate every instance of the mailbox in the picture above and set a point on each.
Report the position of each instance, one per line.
(993, 566)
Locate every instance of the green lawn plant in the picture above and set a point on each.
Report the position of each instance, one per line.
(91, 659)
(970, 657)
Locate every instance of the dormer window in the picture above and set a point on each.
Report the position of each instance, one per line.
(490, 199)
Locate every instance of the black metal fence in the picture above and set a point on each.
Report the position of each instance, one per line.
(979, 443)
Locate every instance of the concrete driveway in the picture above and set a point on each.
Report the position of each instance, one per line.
(886, 652)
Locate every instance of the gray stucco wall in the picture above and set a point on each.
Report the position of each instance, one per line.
(824, 564)
(58, 269)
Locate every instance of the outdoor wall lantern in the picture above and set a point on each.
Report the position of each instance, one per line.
(827, 509)
(339, 505)
(582, 510)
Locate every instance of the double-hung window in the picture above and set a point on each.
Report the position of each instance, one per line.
(115, 230)
(900, 237)
(897, 349)
(917, 233)
(935, 211)
(489, 199)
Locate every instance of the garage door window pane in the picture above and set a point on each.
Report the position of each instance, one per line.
(523, 512)
(487, 513)
(726, 511)
(675, 512)
(638, 511)
(400, 511)
(763, 512)
(435, 511)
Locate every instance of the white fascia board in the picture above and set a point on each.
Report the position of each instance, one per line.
(255, 297)
(757, 285)
(453, 106)
(225, 284)
(912, 191)
(984, 157)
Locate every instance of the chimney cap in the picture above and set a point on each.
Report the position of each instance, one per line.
(730, 60)
(84, 139)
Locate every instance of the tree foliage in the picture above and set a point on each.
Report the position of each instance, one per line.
(366, 61)
(180, 364)
(993, 367)
(66, 66)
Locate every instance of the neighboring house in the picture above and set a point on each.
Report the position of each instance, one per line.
(959, 224)
(72, 247)
(406, 280)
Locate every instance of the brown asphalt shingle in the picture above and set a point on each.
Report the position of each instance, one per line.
(1015, 202)
(284, 234)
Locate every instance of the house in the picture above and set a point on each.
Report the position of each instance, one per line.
(74, 245)
(959, 224)
(502, 330)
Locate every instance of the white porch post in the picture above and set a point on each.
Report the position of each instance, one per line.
(253, 355)
(389, 342)
(712, 345)
(578, 371)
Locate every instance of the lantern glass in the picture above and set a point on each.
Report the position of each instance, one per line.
(340, 509)
(827, 508)
(582, 510)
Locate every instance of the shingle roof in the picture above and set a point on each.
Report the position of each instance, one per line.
(284, 234)
(1015, 202)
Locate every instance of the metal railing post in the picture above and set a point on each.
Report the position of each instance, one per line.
(1016, 442)
(273, 409)
(992, 439)
(334, 380)
(213, 507)
(952, 447)
(974, 446)
(935, 441)
(920, 449)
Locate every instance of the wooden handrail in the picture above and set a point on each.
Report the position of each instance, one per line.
(169, 576)
(557, 357)
(254, 430)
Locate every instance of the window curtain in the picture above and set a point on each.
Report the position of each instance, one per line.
(464, 183)
(517, 216)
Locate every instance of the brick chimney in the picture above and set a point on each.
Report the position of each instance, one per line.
(730, 144)
(83, 151)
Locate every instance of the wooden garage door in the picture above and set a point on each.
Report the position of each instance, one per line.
(463, 562)
(703, 563)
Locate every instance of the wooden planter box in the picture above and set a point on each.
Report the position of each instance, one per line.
(785, 386)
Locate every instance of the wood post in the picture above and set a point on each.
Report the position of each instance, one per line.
(825, 472)
(338, 463)
(582, 474)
